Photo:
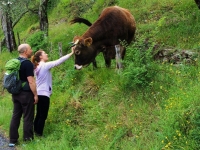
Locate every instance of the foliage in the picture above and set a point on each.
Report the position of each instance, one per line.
(52, 4)
(139, 66)
(77, 8)
(195, 130)
(37, 41)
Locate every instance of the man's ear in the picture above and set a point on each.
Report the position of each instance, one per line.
(25, 52)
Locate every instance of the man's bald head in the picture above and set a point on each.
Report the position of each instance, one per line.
(23, 47)
(25, 50)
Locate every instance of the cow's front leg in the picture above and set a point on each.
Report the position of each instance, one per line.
(108, 62)
(94, 63)
(107, 59)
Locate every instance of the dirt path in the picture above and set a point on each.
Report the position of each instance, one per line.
(4, 143)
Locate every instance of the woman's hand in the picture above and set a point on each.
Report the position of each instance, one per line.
(72, 49)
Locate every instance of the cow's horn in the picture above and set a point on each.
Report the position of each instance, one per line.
(71, 43)
(76, 42)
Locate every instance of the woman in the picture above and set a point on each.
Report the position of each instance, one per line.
(44, 86)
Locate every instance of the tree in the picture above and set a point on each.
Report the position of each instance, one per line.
(12, 10)
(42, 14)
(44, 25)
(6, 21)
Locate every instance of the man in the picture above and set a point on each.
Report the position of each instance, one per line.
(25, 100)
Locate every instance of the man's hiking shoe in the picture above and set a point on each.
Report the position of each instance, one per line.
(11, 144)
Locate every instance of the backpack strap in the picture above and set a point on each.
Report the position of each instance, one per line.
(21, 61)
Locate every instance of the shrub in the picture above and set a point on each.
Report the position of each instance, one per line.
(138, 65)
(38, 41)
(195, 131)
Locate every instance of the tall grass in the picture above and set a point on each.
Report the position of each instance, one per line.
(149, 104)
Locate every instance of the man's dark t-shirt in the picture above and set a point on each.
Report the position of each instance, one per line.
(26, 70)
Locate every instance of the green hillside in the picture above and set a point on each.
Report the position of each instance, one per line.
(149, 105)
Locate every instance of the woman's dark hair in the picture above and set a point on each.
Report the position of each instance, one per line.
(35, 59)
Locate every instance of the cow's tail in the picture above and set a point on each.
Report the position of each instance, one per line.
(80, 20)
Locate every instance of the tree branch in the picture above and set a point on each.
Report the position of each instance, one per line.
(18, 19)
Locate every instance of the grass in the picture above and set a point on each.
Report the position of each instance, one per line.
(148, 105)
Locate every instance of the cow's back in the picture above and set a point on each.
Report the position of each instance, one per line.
(115, 23)
(131, 25)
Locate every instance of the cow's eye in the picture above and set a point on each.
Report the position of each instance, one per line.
(77, 52)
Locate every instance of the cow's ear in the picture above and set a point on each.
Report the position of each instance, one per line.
(88, 41)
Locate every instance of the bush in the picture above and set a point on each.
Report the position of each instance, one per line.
(138, 65)
(38, 41)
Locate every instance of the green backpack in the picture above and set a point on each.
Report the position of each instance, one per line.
(11, 80)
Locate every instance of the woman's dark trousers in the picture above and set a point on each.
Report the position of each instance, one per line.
(41, 114)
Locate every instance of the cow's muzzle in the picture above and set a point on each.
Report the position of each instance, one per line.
(78, 67)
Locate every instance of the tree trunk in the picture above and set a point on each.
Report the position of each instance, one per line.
(43, 17)
(8, 30)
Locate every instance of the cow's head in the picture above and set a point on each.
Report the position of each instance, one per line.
(84, 51)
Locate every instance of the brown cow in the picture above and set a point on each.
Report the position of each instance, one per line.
(115, 24)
